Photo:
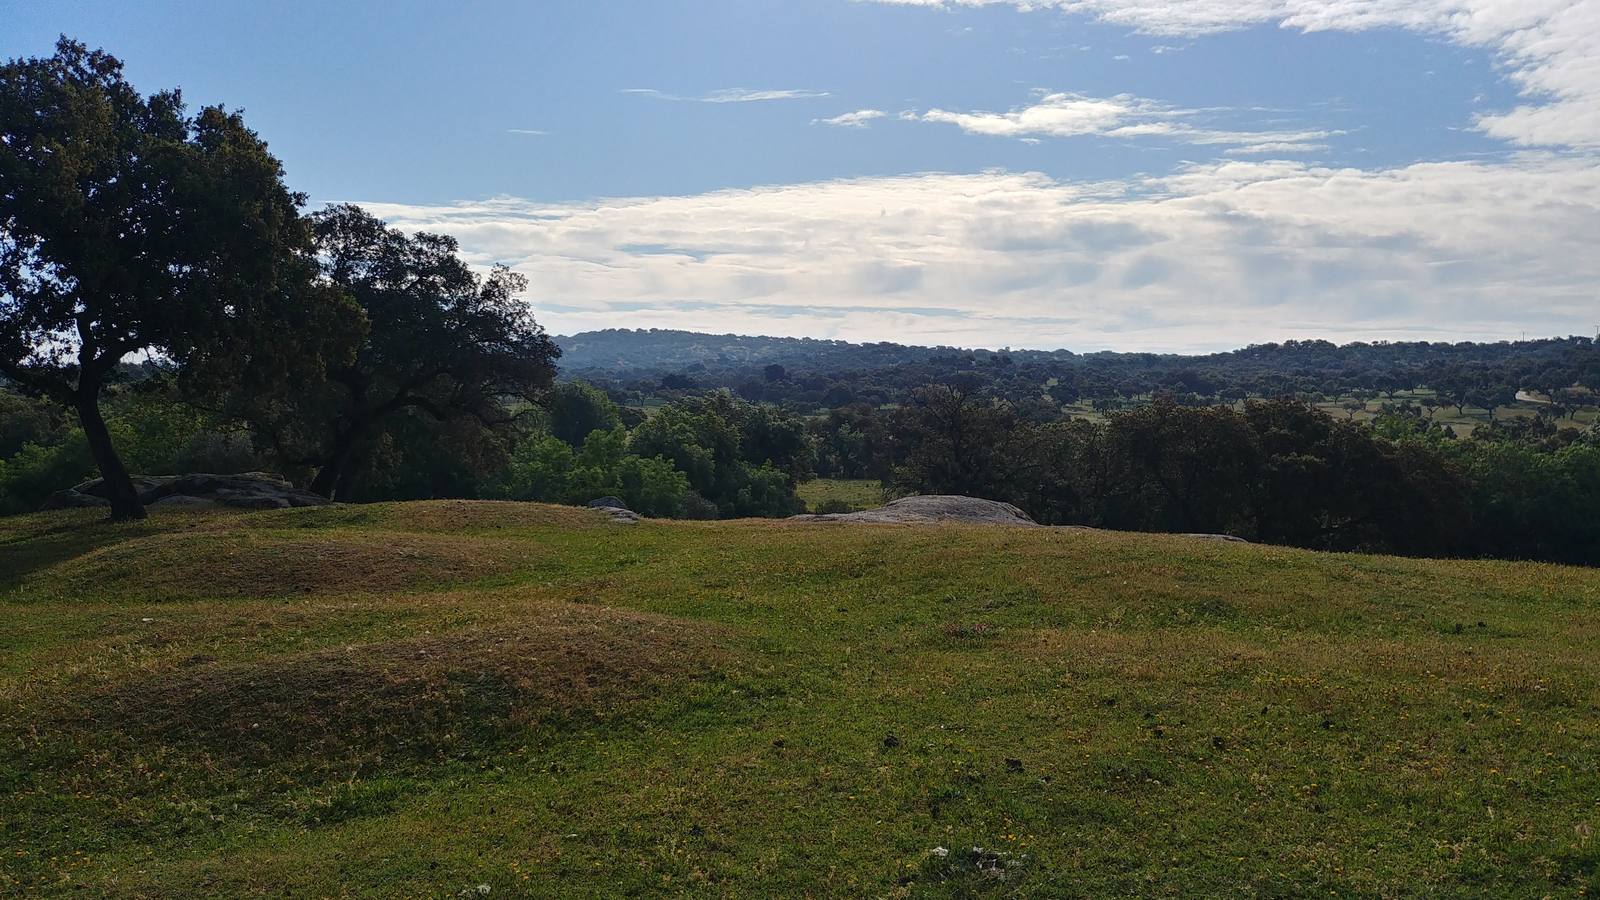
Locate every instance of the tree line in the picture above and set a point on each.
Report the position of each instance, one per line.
(1276, 471)
(1563, 372)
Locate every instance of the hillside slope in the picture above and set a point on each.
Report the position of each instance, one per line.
(419, 699)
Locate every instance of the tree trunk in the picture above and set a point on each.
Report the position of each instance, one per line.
(125, 505)
(334, 477)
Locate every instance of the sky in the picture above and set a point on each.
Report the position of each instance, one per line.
(1164, 175)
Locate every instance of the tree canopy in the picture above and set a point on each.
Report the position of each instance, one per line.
(443, 345)
(129, 226)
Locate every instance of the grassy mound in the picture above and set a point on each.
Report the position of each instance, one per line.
(200, 564)
(418, 697)
(422, 698)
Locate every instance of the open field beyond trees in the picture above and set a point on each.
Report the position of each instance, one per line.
(423, 698)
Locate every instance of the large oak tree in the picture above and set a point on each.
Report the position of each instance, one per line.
(129, 226)
(444, 345)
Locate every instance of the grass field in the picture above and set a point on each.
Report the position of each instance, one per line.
(862, 493)
(419, 699)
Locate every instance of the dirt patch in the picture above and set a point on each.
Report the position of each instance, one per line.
(243, 562)
(419, 697)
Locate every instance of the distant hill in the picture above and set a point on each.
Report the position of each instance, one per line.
(621, 353)
(617, 350)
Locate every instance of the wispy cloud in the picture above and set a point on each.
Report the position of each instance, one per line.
(1124, 116)
(527, 131)
(731, 95)
(857, 119)
(1549, 47)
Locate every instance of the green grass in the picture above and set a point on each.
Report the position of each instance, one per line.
(417, 699)
(863, 493)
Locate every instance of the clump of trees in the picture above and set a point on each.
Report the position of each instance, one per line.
(443, 350)
(700, 457)
(1277, 471)
(130, 226)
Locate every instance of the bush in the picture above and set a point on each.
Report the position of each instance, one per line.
(218, 453)
(698, 507)
(545, 469)
(34, 473)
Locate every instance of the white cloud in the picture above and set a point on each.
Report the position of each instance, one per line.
(533, 132)
(1123, 116)
(857, 119)
(1551, 48)
(1212, 256)
(732, 95)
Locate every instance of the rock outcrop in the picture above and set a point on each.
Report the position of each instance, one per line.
(252, 490)
(1224, 538)
(616, 508)
(934, 508)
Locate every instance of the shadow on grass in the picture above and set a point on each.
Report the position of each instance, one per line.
(31, 551)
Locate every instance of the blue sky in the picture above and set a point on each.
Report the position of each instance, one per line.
(1082, 173)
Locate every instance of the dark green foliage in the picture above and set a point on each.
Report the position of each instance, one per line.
(833, 507)
(33, 473)
(28, 420)
(128, 225)
(955, 441)
(1169, 468)
(1533, 504)
(155, 433)
(1275, 471)
(545, 468)
(853, 442)
(738, 456)
(827, 374)
(577, 408)
(444, 349)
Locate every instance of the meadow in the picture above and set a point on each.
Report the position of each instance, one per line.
(856, 493)
(457, 698)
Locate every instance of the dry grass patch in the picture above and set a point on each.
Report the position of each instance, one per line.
(431, 517)
(415, 697)
(207, 563)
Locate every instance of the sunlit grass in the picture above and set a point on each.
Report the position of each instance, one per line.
(532, 698)
(863, 493)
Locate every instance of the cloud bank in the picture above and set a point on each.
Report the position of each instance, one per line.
(1210, 257)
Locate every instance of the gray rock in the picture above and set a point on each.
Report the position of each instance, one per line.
(73, 499)
(608, 503)
(621, 516)
(184, 501)
(252, 490)
(935, 508)
(1227, 538)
